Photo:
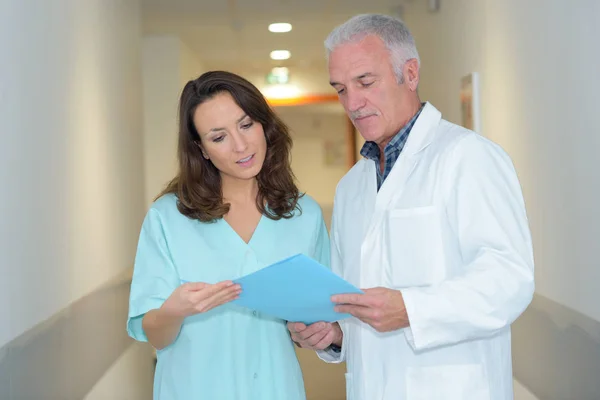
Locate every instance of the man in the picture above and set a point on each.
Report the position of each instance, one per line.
(432, 223)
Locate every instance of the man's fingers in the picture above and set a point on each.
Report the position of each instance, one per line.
(359, 312)
(296, 327)
(312, 329)
(326, 341)
(318, 337)
(356, 299)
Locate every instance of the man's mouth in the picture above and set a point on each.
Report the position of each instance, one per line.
(364, 116)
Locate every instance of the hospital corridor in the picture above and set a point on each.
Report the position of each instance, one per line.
(89, 100)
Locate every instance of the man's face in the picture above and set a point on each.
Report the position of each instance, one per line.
(362, 74)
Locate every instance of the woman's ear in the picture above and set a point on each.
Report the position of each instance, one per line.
(202, 150)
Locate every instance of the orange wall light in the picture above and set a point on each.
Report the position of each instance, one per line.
(302, 100)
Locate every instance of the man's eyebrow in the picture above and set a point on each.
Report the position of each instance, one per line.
(365, 75)
(237, 122)
(359, 77)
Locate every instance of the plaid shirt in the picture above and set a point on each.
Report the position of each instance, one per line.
(392, 151)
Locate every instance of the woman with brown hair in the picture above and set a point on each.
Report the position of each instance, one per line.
(232, 209)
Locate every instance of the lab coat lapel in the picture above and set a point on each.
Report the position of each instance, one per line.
(419, 138)
(369, 196)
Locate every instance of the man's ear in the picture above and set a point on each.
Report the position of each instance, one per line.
(411, 74)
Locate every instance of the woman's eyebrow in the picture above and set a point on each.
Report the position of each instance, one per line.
(222, 129)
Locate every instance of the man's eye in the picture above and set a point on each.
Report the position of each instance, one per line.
(367, 84)
(341, 91)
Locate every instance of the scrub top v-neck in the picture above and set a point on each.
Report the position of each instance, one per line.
(230, 352)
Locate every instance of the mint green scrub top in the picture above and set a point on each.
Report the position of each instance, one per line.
(229, 352)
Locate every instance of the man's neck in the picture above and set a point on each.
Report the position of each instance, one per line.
(414, 109)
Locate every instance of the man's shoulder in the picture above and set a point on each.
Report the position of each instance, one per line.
(450, 134)
(456, 139)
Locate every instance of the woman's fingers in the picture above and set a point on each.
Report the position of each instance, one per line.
(194, 286)
(216, 295)
(224, 296)
(210, 290)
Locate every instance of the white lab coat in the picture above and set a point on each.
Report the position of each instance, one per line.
(448, 229)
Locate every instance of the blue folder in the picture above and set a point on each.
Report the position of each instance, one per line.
(297, 289)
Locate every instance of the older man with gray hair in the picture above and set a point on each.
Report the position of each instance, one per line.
(432, 223)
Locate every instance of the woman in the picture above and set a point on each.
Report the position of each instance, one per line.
(232, 209)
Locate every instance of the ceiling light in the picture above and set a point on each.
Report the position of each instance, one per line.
(280, 27)
(281, 91)
(280, 54)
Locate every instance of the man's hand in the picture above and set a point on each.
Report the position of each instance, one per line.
(379, 307)
(317, 336)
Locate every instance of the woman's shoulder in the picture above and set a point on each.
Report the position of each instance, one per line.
(165, 208)
(165, 204)
(309, 207)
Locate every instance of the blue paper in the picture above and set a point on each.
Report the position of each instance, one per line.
(296, 289)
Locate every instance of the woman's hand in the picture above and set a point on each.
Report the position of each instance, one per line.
(163, 325)
(199, 297)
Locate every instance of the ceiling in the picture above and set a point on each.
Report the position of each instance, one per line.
(233, 34)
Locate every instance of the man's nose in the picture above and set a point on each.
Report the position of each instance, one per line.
(354, 101)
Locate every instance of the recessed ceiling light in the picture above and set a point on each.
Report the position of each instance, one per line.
(280, 27)
(280, 54)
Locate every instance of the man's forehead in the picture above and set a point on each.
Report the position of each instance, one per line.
(354, 66)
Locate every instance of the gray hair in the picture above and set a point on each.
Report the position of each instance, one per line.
(392, 31)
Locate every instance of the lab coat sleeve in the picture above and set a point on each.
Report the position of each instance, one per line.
(154, 276)
(486, 210)
(328, 355)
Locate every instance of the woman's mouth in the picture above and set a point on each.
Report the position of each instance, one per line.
(245, 161)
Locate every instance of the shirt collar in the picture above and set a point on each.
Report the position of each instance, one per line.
(370, 150)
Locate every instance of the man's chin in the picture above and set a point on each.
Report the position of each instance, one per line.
(370, 136)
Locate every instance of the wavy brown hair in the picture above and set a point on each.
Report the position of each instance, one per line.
(198, 182)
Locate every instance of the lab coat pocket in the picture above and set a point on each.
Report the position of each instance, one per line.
(415, 247)
(450, 382)
(349, 387)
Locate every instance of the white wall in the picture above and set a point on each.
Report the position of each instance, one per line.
(309, 131)
(116, 384)
(168, 65)
(540, 90)
(71, 153)
(521, 392)
(190, 66)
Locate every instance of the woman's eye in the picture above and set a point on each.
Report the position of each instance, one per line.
(248, 125)
(218, 139)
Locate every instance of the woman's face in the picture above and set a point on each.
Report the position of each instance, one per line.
(233, 142)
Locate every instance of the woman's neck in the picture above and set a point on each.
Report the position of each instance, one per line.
(239, 190)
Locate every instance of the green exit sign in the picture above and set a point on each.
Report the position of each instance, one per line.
(278, 75)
